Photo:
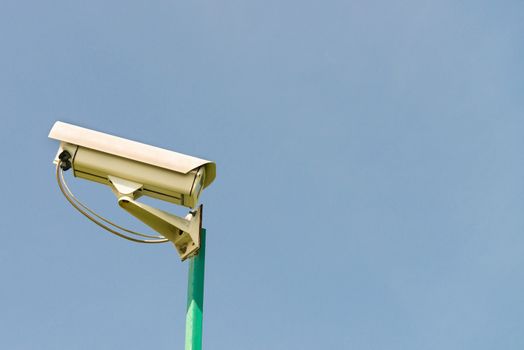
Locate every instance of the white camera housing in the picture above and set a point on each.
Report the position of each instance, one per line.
(132, 170)
(164, 174)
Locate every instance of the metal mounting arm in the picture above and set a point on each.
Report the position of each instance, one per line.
(184, 233)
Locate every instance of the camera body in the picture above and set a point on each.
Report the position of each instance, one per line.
(164, 174)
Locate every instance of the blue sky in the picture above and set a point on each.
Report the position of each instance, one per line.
(369, 189)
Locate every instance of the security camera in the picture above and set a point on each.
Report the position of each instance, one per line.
(132, 170)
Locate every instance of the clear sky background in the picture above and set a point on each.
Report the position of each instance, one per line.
(370, 180)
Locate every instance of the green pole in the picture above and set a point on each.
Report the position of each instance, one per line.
(195, 297)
